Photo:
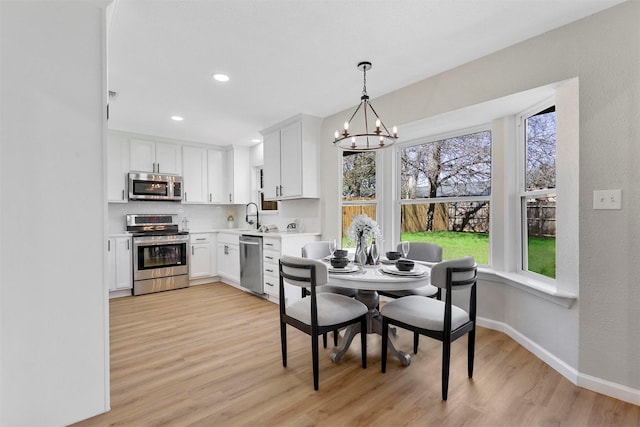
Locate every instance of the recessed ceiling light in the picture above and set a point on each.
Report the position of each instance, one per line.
(221, 77)
(256, 140)
(177, 118)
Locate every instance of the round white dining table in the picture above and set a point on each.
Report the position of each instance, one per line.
(367, 280)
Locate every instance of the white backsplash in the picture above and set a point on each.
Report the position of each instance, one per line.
(210, 217)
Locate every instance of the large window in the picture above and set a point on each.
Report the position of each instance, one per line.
(538, 192)
(358, 189)
(445, 190)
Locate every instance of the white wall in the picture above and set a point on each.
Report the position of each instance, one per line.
(53, 301)
(603, 52)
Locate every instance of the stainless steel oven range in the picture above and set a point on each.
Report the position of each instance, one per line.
(159, 253)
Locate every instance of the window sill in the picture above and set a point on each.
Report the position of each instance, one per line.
(529, 285)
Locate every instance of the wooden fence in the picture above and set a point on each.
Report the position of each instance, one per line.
(541, 214)
(447, 216)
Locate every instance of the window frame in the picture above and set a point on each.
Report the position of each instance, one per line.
(430, 138)
(522, 194)
(375, 202)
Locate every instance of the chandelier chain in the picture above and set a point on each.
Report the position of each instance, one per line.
(364, 81)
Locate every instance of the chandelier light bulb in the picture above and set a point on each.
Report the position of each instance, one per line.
(346, 125)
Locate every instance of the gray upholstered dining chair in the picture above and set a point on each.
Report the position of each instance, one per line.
(319, 250)
(318, 313)
(438, 319)
(419, 251)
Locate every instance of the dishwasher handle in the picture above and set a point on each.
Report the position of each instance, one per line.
(247, 242)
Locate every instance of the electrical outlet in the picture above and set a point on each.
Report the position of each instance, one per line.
(607, 199)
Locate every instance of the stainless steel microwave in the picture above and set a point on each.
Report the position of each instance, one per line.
(150, 186)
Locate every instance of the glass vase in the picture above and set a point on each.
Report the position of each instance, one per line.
(374, 253)
(361, 251)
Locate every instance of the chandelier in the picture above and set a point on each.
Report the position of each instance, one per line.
(359, 135)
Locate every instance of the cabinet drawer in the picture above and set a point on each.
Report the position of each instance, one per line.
(270, 243)
(199, 238)
(271, 269)
(272, 258)
(271, 285)
(229, 238)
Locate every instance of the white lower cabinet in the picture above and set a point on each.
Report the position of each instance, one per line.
(229, 257)
(270, 268)
(273, 249)
(120, 269)
(202, 255)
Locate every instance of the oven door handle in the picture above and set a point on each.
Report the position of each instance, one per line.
(157, 243)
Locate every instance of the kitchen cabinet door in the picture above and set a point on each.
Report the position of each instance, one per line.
(155, 157)
(238, 175)
(291, 160)
(168, 158)
(200, 256)
(117, 168)
(216, 177)
(195, 175)
(229, 262)
(143, 155)
(120, 259)
(271, 148)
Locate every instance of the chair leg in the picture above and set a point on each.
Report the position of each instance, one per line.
(385, 337)
(363, 341)
(416, 340)
(283, 342)
(335, 338)
(471, 352)
(314, 355)
(446, 355)
(324, 340)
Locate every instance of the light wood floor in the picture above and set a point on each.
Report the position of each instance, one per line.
(210, 356)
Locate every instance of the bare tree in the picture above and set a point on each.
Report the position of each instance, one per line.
(457, 166)
(359, 175)
(541, 150)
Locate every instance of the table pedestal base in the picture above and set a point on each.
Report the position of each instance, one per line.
(374, 326)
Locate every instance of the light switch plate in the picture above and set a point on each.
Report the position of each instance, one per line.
(607, 199)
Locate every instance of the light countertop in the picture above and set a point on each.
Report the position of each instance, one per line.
(240, 231)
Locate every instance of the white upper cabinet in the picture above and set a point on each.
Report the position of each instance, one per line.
(216, 177)
(291, 159)
(158, 157)
(238, 175)
(271, 169)
(117, 167)
(194, 160)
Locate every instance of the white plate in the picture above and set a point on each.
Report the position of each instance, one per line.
(392, 269)
(387, 261)
(350, 268)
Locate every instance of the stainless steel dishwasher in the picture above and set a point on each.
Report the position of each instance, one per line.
(251, 264)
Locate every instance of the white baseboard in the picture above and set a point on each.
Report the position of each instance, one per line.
(598, 385)
(609, 388)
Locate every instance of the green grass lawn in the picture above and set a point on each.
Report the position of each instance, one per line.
(542, 256)
(454, 244)
(542, 250)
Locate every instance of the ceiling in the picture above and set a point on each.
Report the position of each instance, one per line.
(286, 57)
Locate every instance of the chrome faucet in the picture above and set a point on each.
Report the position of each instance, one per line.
(246, 212)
